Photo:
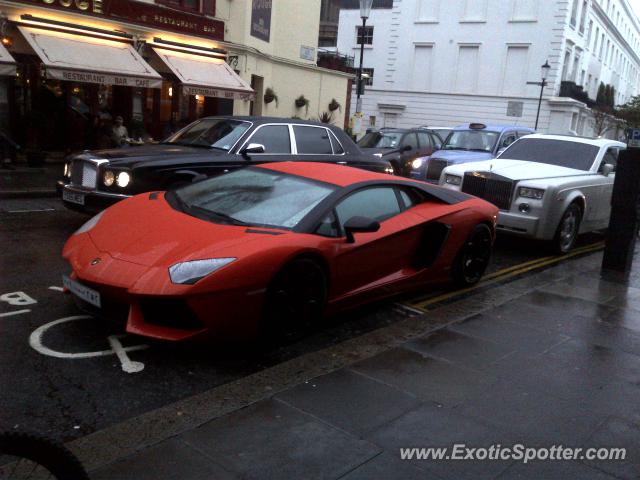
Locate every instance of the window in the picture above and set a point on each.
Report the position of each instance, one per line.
(337, 147)
(525, 10)
(410, 139)
(425, 141)
(312, 140)
(589, 31)
(562, 153)
(574, 13)
(428, 10)
(368, 36)
(208, 6)
(514, 82)
(329, 226)
(467, 69)
(368, 81)
(507, 139)
(610, 157)
(421, 68)
(583, 16)
(475, 11)
(377, 203)
(410, 197)
(275, 138)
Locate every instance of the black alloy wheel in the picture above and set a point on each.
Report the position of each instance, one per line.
(473, 258)
(295, 300)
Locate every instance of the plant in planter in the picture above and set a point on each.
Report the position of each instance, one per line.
(334, 105)
(270, 96)
(325, 117)
(302, 102)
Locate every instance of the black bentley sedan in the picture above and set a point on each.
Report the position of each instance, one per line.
(93, 180)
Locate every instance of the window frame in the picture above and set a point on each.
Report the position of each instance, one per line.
(364, 36)
(329, 133)
(181, 4)
(252, 134)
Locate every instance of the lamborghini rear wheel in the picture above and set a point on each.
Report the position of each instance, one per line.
(295, 301)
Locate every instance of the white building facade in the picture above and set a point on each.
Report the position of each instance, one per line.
(443, 63)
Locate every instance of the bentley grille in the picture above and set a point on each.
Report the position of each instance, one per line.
(84, 174)
(489, 187)
(434, 168)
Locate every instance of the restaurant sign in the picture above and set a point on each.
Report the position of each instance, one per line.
(103, 78)
(261, 19)
(218, 93)
(141, 13)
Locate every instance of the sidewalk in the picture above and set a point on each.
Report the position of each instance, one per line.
(22, 181)
(551, 358)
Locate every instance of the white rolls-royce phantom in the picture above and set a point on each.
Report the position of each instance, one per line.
(548, 187)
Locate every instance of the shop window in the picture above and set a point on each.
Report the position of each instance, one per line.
(205, 6)
(368, 80)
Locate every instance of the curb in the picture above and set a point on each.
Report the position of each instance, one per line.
(130, 436)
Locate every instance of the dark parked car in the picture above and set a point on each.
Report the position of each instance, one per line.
(401, 146)
(208, 147)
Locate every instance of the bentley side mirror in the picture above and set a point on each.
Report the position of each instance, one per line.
(607, 169)
(359, 225)
(250, 149)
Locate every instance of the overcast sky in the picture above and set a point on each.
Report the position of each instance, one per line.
(636, 6)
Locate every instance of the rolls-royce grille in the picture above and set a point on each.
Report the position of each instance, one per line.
(489, 187)
(434, 168)
(84, 174)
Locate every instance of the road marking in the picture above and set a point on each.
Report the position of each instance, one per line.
(504, 274)
(33, 210)
(17, 312)
(17, 298)
(128, 365)
(57, 289)
(35, 341)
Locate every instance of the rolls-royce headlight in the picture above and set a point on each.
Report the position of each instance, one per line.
(67, 169)
(453, 180)
(108, 178)
(123, 179)
(417, 163)
(535, 193)
(188, 273)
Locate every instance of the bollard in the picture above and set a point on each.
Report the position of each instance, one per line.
(623, 223)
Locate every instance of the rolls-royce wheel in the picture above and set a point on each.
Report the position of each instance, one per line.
(473, 258)
(568, 229)
(295, 300)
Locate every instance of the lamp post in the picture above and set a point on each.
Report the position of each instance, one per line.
(365, 10)
(543, 83)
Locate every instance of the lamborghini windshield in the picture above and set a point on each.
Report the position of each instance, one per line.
(253, 196)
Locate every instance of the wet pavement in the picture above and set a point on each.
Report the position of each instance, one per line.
(556, 364)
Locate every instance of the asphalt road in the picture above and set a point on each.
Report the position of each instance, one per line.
(73, 383)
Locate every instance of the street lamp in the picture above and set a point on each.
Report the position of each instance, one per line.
(544, 70)
(365, 10)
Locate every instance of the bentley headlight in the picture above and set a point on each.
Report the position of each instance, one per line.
(90, 224)
(417, 163)
(188, 273)
(535, 193)
(453, 180)
(123, 179)
(108, 178)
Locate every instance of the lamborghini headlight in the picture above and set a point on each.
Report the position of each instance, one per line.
(535, 193)
(188, 273)
(90, 224)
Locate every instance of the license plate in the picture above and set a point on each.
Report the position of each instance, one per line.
(87, 294)
(73, 197)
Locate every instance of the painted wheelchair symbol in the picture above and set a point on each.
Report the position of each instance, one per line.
(128, 365)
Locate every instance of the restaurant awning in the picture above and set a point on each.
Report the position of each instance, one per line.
(80, 58)
(7, 63)
(205, 75)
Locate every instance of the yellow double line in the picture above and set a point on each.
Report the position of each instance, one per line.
(506, 273)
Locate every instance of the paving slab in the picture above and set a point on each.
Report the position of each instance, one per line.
(426, 377)
(350, 401)
(617, 432)
(556, 470)
(272, 440)
(387, 466)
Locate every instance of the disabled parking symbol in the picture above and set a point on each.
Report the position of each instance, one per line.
(117, 349)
